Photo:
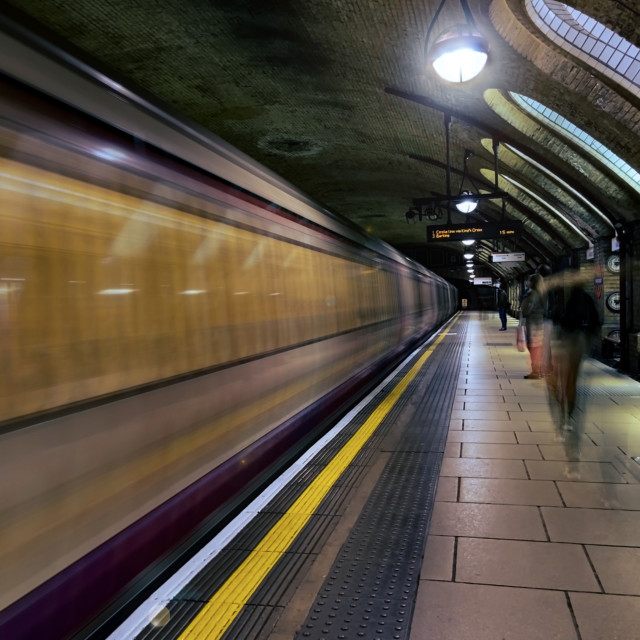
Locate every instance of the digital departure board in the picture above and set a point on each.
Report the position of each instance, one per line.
(473, 231)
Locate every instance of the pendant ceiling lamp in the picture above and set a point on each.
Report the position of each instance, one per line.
(468, 204)
(460, 52)
(467, 201)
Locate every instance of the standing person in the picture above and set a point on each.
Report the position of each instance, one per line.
(503, 307)
(532, 311)
(549, 303)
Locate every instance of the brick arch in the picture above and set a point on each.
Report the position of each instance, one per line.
(511, 21)
(558, 146)
(560, 11)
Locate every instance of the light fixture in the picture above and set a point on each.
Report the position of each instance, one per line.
(468, 243)
(460, 52)
(467, 256)
(412, 214)
(468, 204)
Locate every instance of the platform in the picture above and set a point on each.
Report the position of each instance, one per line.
(442, 508)
(522, 545)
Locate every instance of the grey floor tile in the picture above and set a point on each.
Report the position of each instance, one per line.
(537, 408)
(618, 568)
(593, 526)
(498, 425)
(524, 492)
(537, 424)
(537, 437)
(452, 449)
(452, 611)
(631, 449)
(596, 495)
(438, 558)
(489, 416)
(616, 421)
(484, 385)
(548, 425)
(501, 451)
(489, 437)
(486, 521)
(491, 406)
(447, 490)
(615, 440)
(588, 452)
(539, 399)
(504, 393)
(605, 617)
(477, 468)
(516, 563)
(589, 471)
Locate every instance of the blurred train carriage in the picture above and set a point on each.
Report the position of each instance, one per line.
(175, 319)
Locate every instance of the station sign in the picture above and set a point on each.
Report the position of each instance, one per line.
(473, 231)
(488, 281)
(517, 256)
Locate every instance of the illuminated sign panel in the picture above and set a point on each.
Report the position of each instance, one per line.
(518, 256)
(473, 231)
(488, 281)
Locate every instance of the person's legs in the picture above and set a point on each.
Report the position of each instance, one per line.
(556, 382)
(503, 318)
(536, 359)
(575, 353)
(534, 337)
(547, 359)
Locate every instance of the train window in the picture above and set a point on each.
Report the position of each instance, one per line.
(139, 291)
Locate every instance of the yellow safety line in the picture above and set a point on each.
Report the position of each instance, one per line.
(219, 613)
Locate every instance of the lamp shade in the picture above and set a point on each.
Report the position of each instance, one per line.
(468, 204)
(459, 53)
(468, 243)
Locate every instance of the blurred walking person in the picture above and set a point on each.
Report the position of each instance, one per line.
(579, 324)
(532, 311)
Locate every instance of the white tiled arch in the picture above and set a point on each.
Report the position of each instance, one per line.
(589, 40)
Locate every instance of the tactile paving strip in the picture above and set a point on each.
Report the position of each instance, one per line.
(371, 589)
(261, 613)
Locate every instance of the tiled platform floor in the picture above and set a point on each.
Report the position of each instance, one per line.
(521, 546)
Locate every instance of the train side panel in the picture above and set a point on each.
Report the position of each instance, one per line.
(168, 334)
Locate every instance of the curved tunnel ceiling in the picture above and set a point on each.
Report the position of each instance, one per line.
(336, 98)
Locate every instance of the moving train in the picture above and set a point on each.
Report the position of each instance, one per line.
(176, 322)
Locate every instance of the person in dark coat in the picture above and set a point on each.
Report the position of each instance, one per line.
(532, 311)
(503, 307)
